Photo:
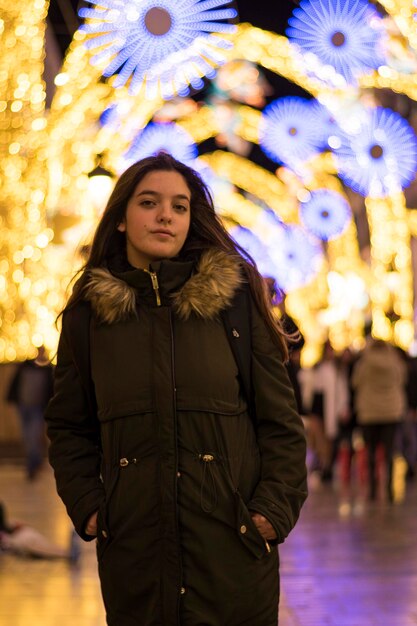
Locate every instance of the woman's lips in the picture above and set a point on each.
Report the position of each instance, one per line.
(163, 233)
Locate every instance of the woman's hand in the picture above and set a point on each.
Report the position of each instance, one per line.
(264, 527)
(91, 527)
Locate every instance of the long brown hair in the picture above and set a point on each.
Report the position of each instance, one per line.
(206, 231)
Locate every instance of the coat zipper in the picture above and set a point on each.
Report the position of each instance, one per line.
(174, 398)
(155, 285)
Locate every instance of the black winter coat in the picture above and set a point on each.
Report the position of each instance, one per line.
(171, 458)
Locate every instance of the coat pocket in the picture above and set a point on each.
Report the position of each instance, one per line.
(220, 498)
(247, 531)
(103, 533)
(103, 528)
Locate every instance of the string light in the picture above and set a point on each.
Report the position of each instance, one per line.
(256, 181)
(23, 228)
(392, 290)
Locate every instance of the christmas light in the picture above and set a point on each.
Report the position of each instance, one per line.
(166, 137)
(326, 214)
(166, 44)
(344, 35)
(380, 158)
(289, 132)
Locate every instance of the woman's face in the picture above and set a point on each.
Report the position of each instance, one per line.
(157, 218)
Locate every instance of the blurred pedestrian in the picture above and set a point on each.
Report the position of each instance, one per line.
(379, 379)
(30, 389)
(329, 407)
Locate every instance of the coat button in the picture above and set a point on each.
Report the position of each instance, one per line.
(243, 529)
(182, 590)
(123, 462)
(178, 474)
(104, 534)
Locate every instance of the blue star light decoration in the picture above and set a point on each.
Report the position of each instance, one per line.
(287, 253)
(326, 214)
(381, 157)
(110, 117)
(290, 131)
(344, 34)
(255, 247)
(296, 257)
(327, 126)
(209, 177)
(169, 44)
(162, 137)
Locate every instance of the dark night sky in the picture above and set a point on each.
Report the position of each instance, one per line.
(271, 15)
(268, 14)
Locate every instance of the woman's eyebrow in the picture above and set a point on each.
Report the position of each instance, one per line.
(147, 192)
(150, 192)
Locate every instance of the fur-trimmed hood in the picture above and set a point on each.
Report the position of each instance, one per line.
(209, 290)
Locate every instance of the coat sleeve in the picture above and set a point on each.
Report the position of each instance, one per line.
(282, 489)
(74, 435)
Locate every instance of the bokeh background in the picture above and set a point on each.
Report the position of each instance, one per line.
(301, 118)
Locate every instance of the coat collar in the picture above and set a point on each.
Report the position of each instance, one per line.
(204, 292)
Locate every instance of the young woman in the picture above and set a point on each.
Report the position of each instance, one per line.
(174, 435)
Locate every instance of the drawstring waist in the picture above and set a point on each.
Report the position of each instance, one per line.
(208, 489)
(209, 482)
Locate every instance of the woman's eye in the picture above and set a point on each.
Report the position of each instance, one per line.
(181, 207)
(147, 203)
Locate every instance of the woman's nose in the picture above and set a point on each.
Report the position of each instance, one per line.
(165, 214)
